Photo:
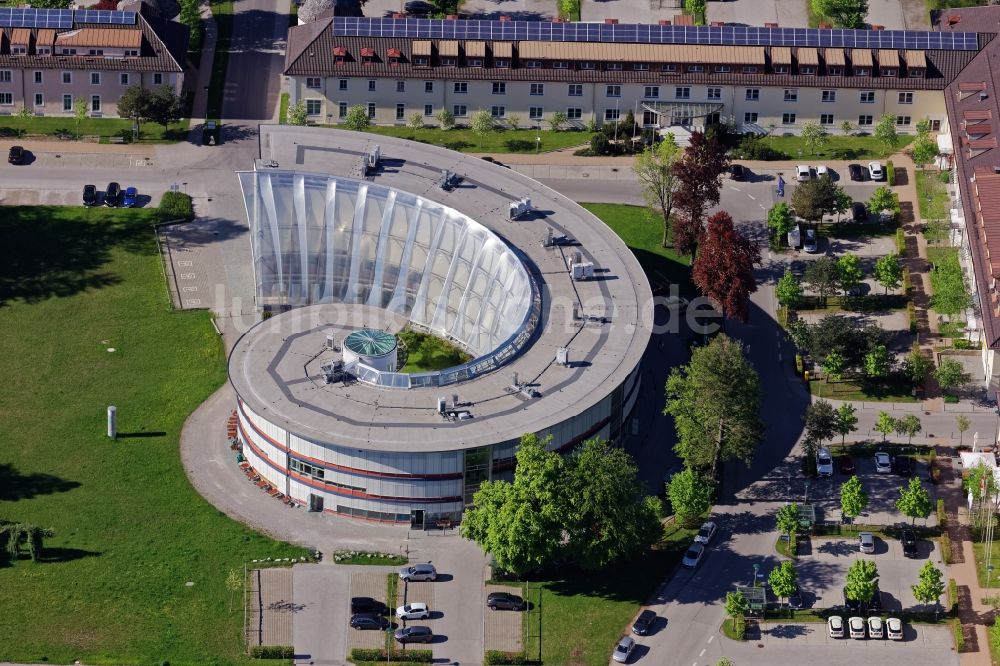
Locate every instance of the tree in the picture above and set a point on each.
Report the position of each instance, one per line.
(234, 583)
(878, 362)
(862, 579)
(843, 13)
(723, 267)
(916, 366)
(845, 421)
(691, 496)
(853, 498)
(914, 501)
(885, 132)
(842, 202)
(780, 219)
(849, 273)
(80, 111)
(923, 150)
(930, 586)
(962, 423)
(787, 519)
(950, 374)
(715, 403)
(815, 198)
(416, 121)
(885, 424)
(836, 333)
(884, 199)
(513, 121)
(822, 276)
(445, 118)
(783, 580)
(557, 120)
(820, 420)
(846, 127)
(737, 606)
(190, 15)
(653, 168)
(909, 425)
(699, 172)
(788, 290)
(981, 482)
(310, 10)
(814, 136)
(833, 366)
(165, 107)
(888, 272)
(14, 536)
(50, 4)
(696, 8)
(481, 124)
(297, 113)
(357, 118)
(725, 661)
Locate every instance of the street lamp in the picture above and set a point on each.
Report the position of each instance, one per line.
(807, 491)
(538, 144)
(756, 572)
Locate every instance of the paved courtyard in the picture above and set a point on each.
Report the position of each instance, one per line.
(504, 628)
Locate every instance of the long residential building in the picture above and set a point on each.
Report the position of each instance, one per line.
(50, 58)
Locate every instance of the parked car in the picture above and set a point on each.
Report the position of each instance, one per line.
(822, 171)
(504, 601)
(419, 7)
(859, 212)
(414, 634)
(824, 462)
(875, 603)
(131, 197)
(875, 171)
(706, 533)
(15, 155)
(738, 172)
(802, 172)
(623, 650)
(883, 463)
(644, 623)
(369, 621)
(846, 464)
(866, 542)
(835, 626)
(810, 244)
(902, 465)
(693, 555)
(894, 629)
(89, 195)
(909, 541)
(418, 610)
(857, 627)
(367, 605)
(856, 172)
(113, 195)
(875, 627)
(418, 572)
(795, 600)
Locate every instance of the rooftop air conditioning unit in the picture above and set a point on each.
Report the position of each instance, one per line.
(442, 405)
(562, 356)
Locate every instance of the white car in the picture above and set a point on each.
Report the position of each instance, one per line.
(883, 463)
(623, 650)
(414, 611)
(894, 627)
(866, 543)
(821, 171)
(857, 627)
(824, 462)
(835, 626)
(876, 171)
(693, 555)
(875, 627)
(810, 244)
(802, 172)
(706, 533)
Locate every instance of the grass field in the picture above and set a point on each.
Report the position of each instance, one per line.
(102, 127)
(895, 388)
(136, 570)
(932, 196)
(426, 352)
(643, 234)
(500, 141)
(838, 147)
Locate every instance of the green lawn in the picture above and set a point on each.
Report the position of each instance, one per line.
(979, 548)
(583, 614)
(102, 127)
(426, 352)
(500, 141)
(932, 196)
(644, 234)
(283, 109)
(838, 147)
(222, 11)
(895, 389)
(130, 532)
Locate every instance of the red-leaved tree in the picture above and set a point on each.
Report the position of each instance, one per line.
(699, 172)
(723, 268)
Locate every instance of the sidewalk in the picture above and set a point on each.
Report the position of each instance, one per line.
(199, 109)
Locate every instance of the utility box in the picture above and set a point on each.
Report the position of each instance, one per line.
(583, 271)
(372, 159)
(519, 208)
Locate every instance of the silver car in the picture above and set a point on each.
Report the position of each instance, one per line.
(418, 572)
(706, 533)
(894, 628)
(623, 650)
(835, 626)
(875, 627)
(883, 463)
(693, 555)
(857, 627)
(866, 542)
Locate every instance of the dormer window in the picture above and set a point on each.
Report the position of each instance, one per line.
(587, 65)
(613, 66)
(749, 69)
(19, 50)
(835, 71)
(670, 68)
(862, 71)
(420, 61)
(339, 55)
(781, 69)
(722, 69)
(502, 63)
(45, 50)
(888, 71)
(696, 68)
(474, 62)
(131, 53)
(367, 55)
(640, 66)
(560, 64)
(393, 55)
(916, 73)
(69, 51)
(533, 64)
(807, 69)
(448, 61)
(96, 52)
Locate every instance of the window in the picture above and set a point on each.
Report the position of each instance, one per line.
(95, 78)
(807, 69)
(560, 64)
(781, 69)
(715, 93)
(474, 62)
(788, 119)
(722, 69)
(428, 86)
(38, 77)
(420, 61)
(935, 125)
(342, 110)
(613, 66)
(342, 85)
(498, 111)
(916, 73)
(641, 66)
(459, 110)
(19, 50)
(400, 86)
(129, 53)
(533, 64)
(312, 82)
(750, 117)
(864, 120)
(749, 69)
(371, 85)
(826, 119)
(400, 111)
(535, 112)
(66, 51)
(696, 68)
(499, 88)
(682, 92)
(587, 65)
(123, 79)
(888, 71)
(862, 71)
(157, 79)
(95, 103)
(537, 89)
(829, 96)
(6, 99)
(835, 70)
(314, 107)
(39, 99)
(448, 61)
(502, 63)
(576, 90)
(428, 109)
(753, 94)
(574, 113)
(651, 92)
(611, 115)
(670, 68)
(67, 102)
(613, 91)
(791, 94)
(371, 109)
(461, 87)
(867, 96)
(902, 121)
(67, 77)
(906, 98)
(96, 52)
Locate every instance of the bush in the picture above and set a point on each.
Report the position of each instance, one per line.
(756, 148)
(945, 548)
(900, 242)
(799, 366)
(941, 515)
(907, 282)
(379, 654)
(500, 657)
(176, 206)
(911, 316)
(956, 628)
(994, 632)
(272, 652)
(952, 596)
(945, 177)
(890, 173)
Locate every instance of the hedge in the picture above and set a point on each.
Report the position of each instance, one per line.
(956, 628)
(900, 242)
(941, 515)
(498, 657)
(890, 173)
(379, 654)
(952, 596)
(911, 316)
(945, 548)
(272, 652)
(176, 206)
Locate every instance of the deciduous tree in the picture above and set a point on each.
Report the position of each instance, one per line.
(297, 113)
(357, 118)
(416, 121)
(699, 172)
(445, 118)
(981, 482)
(914, 501)
(884, 199)
(786, 519)
(908, 425)
(923, 150)
(134, 103)
(962, 423)
(853, 498)
(916, 366)
(482, 125)
(849, 273)
(780, 219)
(654, 169)
(820, 420)
(930, 586)
(836, 333)
(690, 495)
(885, 424)
(783, 580)
(723, 267)
(846, 421)
(165, 107)
(310, 10)
(862, 580)
(822, 276)
(888, 272)
(814, 136)
(885, 132)
(950, 374)
(788, 290)
(815, 198)
(737, 606)
(878, 362)
(843, 13)
(80, 111)
(833, 366)
(557, 120)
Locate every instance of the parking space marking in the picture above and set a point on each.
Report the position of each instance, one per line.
(189, 289)
(186, 276)
(702, 653)
(710, 639)
(194, 301)
(185, 264)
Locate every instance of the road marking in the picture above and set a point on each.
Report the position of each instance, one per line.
(185, 264)
(752, 197)
(189, 289)
(710, 639)
(194, 301)
(186, 276)
(702, 653)
(735, 189)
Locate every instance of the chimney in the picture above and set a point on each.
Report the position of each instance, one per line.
(452, 17)
(953, 19)
(504, 19)
(663, 22)
(825, 26)
(996, 168)
(770, 25)
(983, 96)
(718, 24)
(397, 15)
(878, 27)
(558, 19)
(610, 21)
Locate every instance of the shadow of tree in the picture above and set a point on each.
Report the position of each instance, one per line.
(15, 485)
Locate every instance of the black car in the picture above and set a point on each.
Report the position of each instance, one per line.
(875, 603)
(368, 621)
(909, 541)
(902, 465)
(15, 155)
(644, 623)
(859, 211)
(738, 172)
(414, 634)
(368, 606)
(419, 7)
(113, 195)
(862, 607)
(856, 172)
(89, 195)
(851, 605)
(504, 601)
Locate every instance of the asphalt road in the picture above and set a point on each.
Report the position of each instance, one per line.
(253, 78)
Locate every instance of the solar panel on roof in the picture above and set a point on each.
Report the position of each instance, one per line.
(104, 16)
(631, 33)
(35, 18)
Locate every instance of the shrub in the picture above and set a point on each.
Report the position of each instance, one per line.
(756, 148)
(890, 173)
(945, 177)
(798, 364)
(900, 242)
(272, 652)
(499, 657)
(994, 632)
(176, 206)
(907, 282)
(379, 654)
(941, 515)
(952, 596)
(956, 628)
(911, 316)
(945, 548)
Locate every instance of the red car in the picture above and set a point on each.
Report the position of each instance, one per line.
(846, 464)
